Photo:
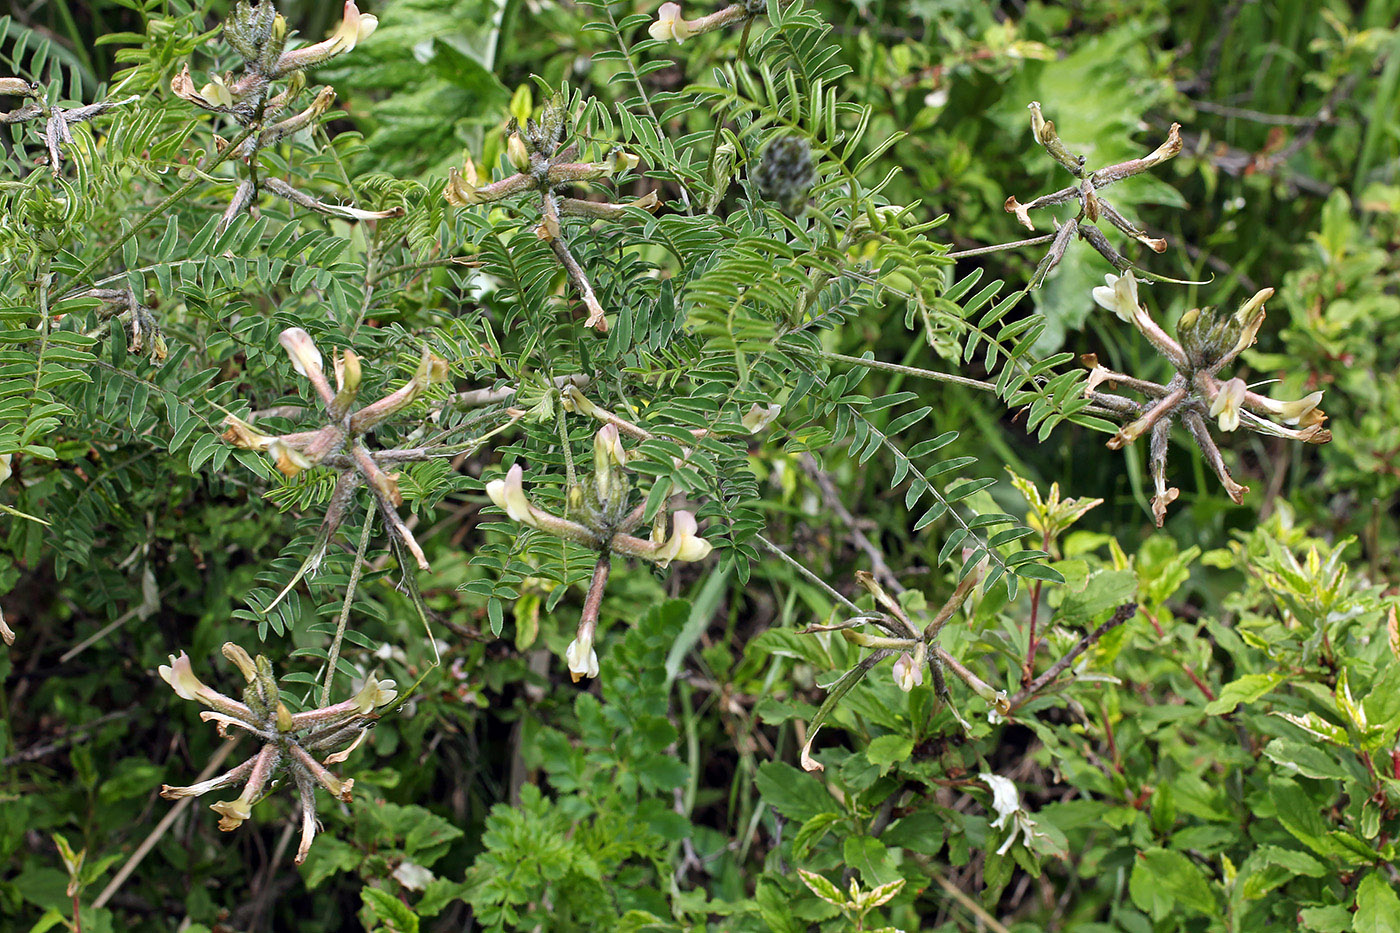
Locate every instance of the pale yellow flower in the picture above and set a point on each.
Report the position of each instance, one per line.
(669, 24)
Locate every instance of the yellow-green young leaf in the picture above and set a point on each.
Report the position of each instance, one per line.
(1377, 906)
(1245, 689)
(881, 895)
(822, 888)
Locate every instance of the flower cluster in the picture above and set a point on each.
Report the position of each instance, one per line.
(1093, 207)
(291, 742)
(600, 518)
(339, 443)
(258, 33)
(544, 164)
(1206, 342)
(58, 121)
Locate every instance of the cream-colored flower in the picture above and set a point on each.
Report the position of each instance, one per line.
(355, 27)
(217, 92)
(6, 470)
(1120, 295)
(907, 672)
(290, 461)
(179, 674)
(620, 162)
(374, 694)
(583, 660)
(683, 544)
(669, 24)
(1225, 407)
(232, 813)
(509, 495)
(1301, 411)
(1251, 318)
(461, 189)
(759, 417)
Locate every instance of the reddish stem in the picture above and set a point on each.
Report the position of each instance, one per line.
(1028, 668)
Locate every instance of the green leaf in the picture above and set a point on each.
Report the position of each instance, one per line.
(793, 793)
(1105, 590)
(1163, 881)
(1308, 760)
(1245, 689)
(871, 858)
(390, 912)
(1377, 906)
(888, 750)
(1333, 919)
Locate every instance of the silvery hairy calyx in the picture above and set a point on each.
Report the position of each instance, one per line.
(290, 743)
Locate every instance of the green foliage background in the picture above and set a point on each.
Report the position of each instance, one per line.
(1226, 759)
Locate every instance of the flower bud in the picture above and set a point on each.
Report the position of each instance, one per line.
(347, 381)
(242, 660)
(518, 153)
(607, 453)
(302, 350)
(1037, 119)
